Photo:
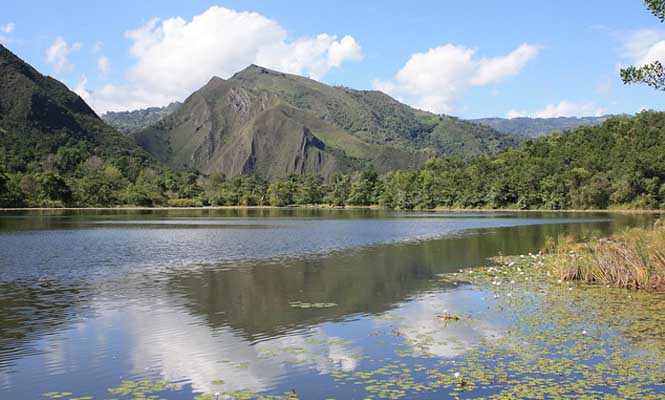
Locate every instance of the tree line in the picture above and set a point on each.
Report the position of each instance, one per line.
(619, 164)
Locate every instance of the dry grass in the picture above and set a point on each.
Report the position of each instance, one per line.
(633, 259)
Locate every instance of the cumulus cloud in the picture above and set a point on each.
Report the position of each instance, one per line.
(496, 69)
(103, 66)
(8, 28)
(57, 54)
(174, 57)
(433, 80)
(643, 46)
(563, 109)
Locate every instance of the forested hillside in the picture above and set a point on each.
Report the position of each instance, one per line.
(620, 163)
(55, 151)
(536, 127)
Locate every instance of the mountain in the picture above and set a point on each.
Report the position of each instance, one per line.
(275, 124)
(39, 115)
(535, 127)
(129, 122)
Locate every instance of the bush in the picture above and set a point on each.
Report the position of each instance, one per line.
(183, 203)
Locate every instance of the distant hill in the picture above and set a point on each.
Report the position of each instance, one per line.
(39, 115)
(275, 124)
(535, 127)
(129, 122)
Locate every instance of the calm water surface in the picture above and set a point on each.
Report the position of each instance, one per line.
(89, 299)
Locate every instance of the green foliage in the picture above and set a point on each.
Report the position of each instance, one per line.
(10, 193)
(340, 188)
(657, 8)
(281, 192)
(620, 163)
(536, 127)
(363, 188)
(310, 190)
(650, 74)
(99, 184)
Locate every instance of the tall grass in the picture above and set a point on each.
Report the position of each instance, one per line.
(632, 259)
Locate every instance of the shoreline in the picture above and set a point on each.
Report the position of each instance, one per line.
(324, 207)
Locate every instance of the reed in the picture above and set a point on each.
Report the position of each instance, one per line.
(632, 259)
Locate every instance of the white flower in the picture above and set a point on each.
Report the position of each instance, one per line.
(583, 332)
(456, 374)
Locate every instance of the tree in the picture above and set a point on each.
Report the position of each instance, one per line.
(339, 191)
(651, 74)
(55, 188)
(99, 185)
(10, 193)
(310, 190)
(280, 193)
(363, 187)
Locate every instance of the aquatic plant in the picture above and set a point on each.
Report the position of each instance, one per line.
(633, 259)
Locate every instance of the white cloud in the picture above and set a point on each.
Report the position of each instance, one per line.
(643, 46)
(8, 28)
(103, 66)
(496, 69)
(174, 57)
(435, 79)
(81, 90)
(563, 109)
(57, 55)
(97, 47)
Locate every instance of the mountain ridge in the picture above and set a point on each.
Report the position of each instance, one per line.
(536, 127)
(230, 125)
(39, 115)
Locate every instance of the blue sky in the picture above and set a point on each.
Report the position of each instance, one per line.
(472, 59)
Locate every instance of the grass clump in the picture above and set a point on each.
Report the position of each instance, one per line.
(632, 259)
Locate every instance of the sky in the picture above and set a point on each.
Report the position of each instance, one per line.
(470, 59)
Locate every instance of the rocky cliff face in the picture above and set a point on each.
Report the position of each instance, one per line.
(130, 122)
(273, 124)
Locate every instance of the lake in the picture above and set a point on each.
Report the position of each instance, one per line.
(313, 304)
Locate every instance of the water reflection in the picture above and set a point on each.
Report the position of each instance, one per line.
(89, 300)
